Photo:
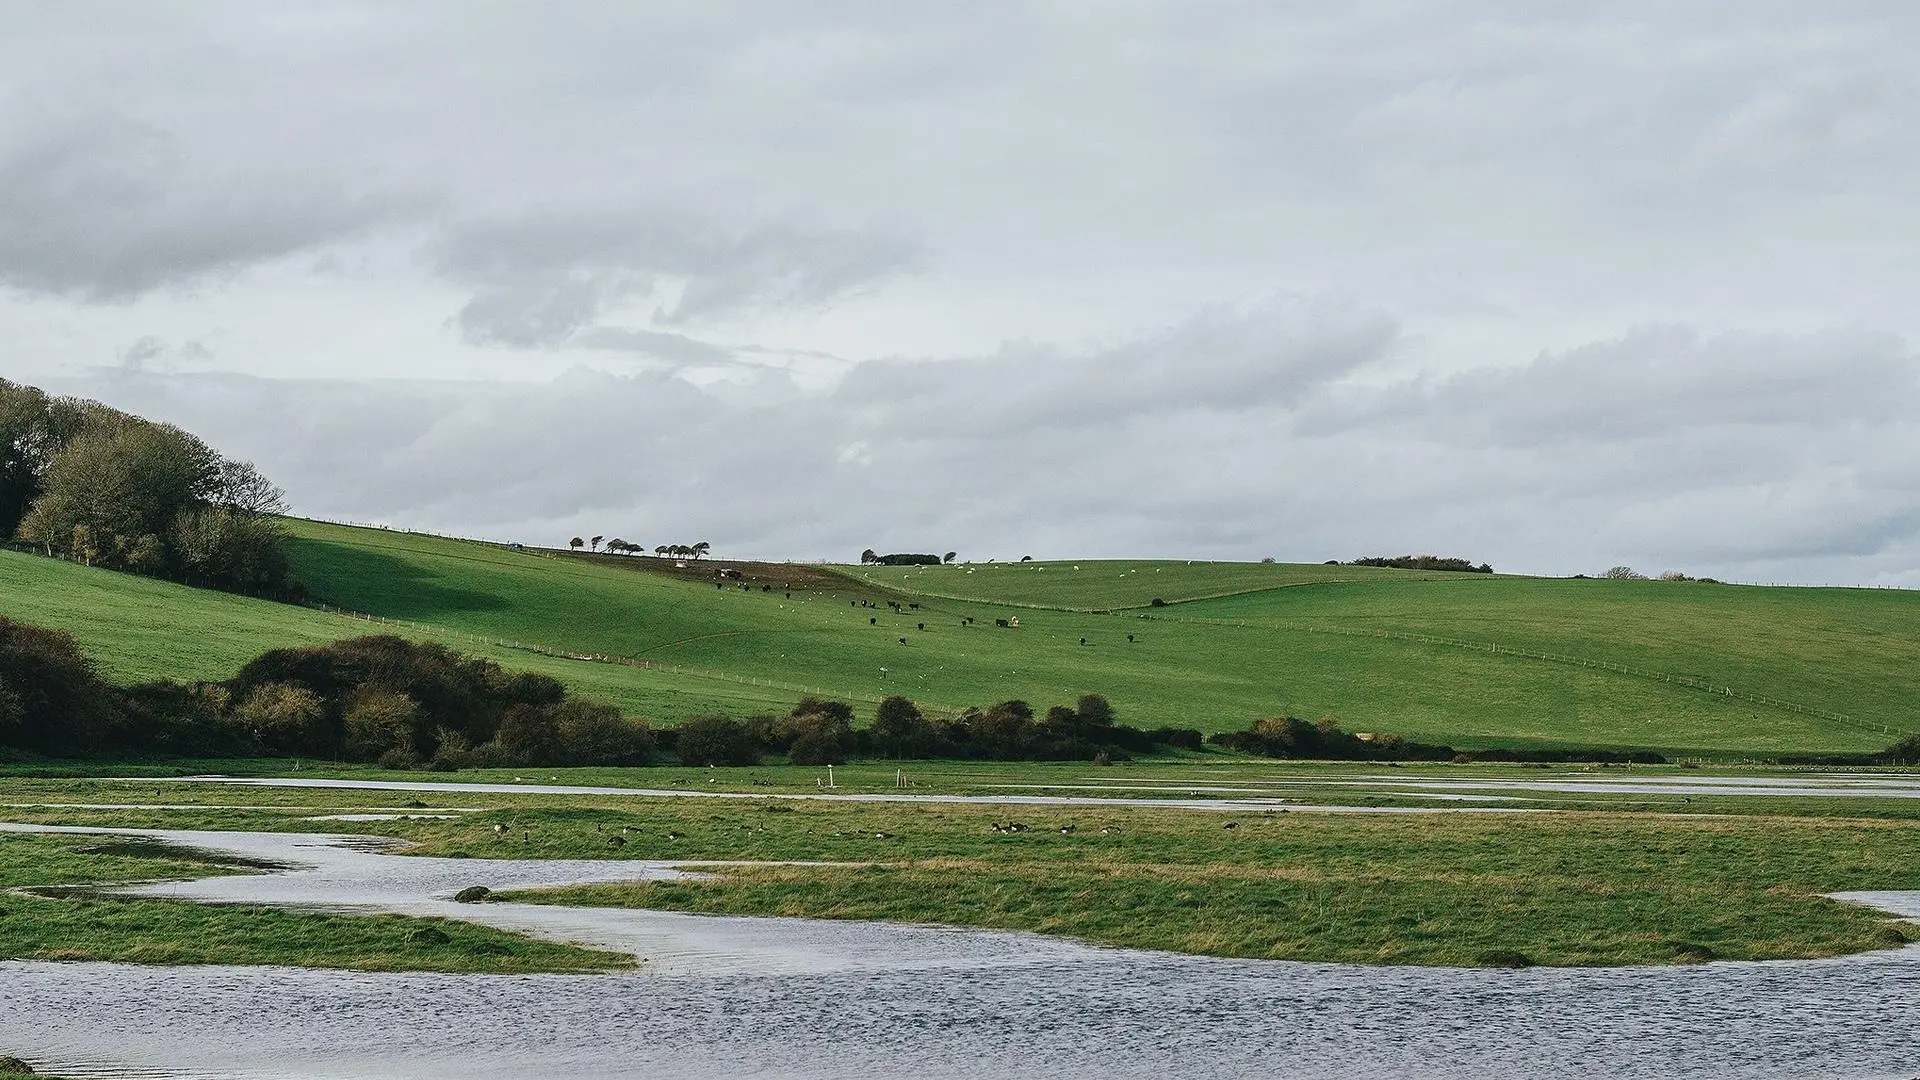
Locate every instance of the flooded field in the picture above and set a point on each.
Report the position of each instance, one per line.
(798, 998)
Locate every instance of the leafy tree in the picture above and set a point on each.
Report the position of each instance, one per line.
(576, 543)
(595, 542)
(661, 551)
(223, 547)
(869, 556)
(700, 549)
(949, 557)
(899, 729)
(1625, 573)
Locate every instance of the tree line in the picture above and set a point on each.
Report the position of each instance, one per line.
(617, 546)
(871, 557)
(1423, 562)
(102, 487)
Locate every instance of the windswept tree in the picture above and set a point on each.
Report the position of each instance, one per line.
(576, 543)
(661, 550)
(700, 549)
(596, 542)
(869, 556)
(949, 557)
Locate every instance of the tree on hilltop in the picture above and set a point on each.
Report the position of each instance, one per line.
(596, 542)
(949, 557)
(700, 549)
(576, 543)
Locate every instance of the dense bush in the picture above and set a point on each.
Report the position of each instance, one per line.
(376, 699)
(51, 700)
(715, 740)
(1292, 737)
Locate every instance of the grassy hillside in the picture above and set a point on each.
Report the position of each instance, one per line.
(1445, 657)
(139, 629)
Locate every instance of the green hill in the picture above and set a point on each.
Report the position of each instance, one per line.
(1470, 659)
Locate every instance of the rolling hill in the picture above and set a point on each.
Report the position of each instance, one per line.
(1469, 659)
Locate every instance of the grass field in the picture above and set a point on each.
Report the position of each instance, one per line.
(1561, 888)
(1450, 658)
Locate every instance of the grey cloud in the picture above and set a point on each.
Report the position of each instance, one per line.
(1065, 456)
(674, 348)
(544, 277)
(101, 208)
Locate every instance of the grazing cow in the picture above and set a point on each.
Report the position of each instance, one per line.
(903, 641)
(616, 841)
(1066, 830)
(923, 626)
(1231, 825)
(872, 621)
(999, 622)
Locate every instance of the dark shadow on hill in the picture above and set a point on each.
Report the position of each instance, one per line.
(363, 580)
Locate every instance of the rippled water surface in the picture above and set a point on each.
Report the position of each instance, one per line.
(725, 997)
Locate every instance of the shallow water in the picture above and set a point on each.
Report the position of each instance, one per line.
(1235, 805)
(728, 997)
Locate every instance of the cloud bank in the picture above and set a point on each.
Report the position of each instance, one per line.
(1271, 430)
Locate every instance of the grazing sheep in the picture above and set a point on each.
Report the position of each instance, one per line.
(675, 835)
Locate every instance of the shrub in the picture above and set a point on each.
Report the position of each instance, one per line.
(288, 718)
(715, 740)
(377, 722)
(529, 735)
(51, 701)
(599, 735)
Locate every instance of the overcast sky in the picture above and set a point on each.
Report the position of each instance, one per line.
(1553, 285)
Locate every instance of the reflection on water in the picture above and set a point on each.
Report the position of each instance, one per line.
(725, 997)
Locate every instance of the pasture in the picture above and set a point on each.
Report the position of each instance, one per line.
(1467, 659)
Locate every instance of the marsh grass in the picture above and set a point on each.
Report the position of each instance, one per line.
(1563, 890)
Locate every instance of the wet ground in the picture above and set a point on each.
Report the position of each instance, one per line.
(731, 997)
